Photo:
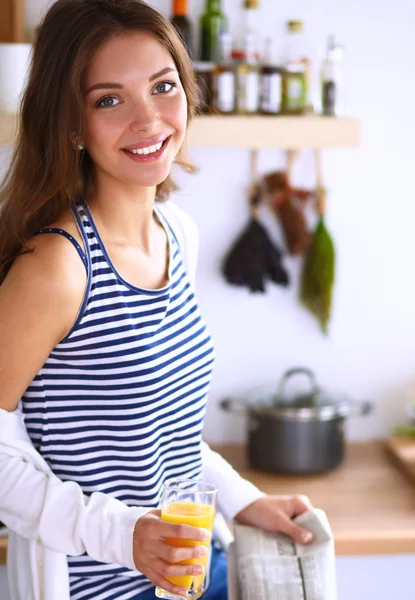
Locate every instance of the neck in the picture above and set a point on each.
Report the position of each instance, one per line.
(124, 213)
(213, 5)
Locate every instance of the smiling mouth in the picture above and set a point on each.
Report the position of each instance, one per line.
(149, 150)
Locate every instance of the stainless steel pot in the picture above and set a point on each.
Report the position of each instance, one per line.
(296, 433)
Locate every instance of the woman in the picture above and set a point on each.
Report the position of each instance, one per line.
(105, 361)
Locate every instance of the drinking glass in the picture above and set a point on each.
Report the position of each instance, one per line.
(188, 502)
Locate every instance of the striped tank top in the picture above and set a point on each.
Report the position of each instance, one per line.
(118, 405)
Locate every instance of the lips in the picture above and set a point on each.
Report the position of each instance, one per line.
(152, 156)
(147, 143)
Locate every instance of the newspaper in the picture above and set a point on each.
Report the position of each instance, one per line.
(266, 565)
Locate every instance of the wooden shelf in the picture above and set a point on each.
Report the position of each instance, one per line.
(3, 550)
(250, 132)
(273, 132)
(8, 129)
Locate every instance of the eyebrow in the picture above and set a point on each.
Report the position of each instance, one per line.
(119, 86)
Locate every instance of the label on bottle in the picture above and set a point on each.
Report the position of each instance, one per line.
(252, 92)
(329, 98)
(295, 93)
(225, 92)
(271, 93)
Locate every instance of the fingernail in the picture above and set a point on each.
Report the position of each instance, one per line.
(203, 550)
(207, 534)
(182, 591)
(306, 537)
(198, 569)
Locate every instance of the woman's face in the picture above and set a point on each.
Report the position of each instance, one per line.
(136, 110)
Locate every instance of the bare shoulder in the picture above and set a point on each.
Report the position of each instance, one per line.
(39, 301)
(50, 276)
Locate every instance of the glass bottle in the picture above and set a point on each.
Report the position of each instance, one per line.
(212, 24)
(224, 77)
(270, 82)
(251, 26)
(247, 80)
(297, 69)
(204, 76)
(333, 89)
(181, 21)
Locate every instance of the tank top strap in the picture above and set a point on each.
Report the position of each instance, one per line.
(69, 237)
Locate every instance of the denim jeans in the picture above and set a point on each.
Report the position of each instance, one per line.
(218, 588)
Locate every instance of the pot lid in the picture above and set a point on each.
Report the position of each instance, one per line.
(307, 403)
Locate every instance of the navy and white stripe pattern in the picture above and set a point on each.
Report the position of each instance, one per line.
(118, 406)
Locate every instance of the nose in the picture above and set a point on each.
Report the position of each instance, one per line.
(144, 116)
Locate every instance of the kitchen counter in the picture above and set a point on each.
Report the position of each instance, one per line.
(370, 504)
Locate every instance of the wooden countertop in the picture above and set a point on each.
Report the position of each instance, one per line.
(370, 504)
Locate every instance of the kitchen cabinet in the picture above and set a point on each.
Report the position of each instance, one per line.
(12, 21)
(250, 132)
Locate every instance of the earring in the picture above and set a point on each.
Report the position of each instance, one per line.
(80, 147)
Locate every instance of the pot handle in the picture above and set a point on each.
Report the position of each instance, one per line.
(295, 371)
(360, 407)
(237, 407)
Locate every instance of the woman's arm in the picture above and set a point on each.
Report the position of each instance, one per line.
(240, 500)
(235, 492)
(37, 505)
(39, 301)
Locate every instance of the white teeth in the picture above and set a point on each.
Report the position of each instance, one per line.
(148, 150)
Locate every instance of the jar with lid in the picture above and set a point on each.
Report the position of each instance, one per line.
(204, 76)
(297, 71)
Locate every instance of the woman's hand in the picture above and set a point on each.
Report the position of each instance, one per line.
(155, 558)
(275, 513)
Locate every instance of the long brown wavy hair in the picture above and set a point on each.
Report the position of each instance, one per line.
(46, 171)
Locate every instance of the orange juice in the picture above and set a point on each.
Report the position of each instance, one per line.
(197, 515)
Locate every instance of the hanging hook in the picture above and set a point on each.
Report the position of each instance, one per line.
(320, 191)
(254, 166)
(255, 188)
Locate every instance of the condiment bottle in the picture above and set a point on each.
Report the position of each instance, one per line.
(182, 22)
(213, 23)
(271, 83)
(247, 80)
(204, 75)
(251, 25)
(333, 89)
(224, 77)
(296, 71)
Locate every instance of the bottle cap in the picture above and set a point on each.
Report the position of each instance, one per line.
(295, 26)
(180, 8)
(251, 4)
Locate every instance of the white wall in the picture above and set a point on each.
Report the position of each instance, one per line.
(371, 212)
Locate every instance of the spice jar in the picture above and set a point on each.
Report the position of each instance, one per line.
(204, 75)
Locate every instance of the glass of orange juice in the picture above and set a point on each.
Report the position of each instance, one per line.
(188, 502)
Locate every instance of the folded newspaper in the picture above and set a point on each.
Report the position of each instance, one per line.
(266, 565)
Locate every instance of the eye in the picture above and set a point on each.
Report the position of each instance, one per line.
(108, 102)
(164, 87)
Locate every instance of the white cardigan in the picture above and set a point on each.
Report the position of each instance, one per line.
(50, 519)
